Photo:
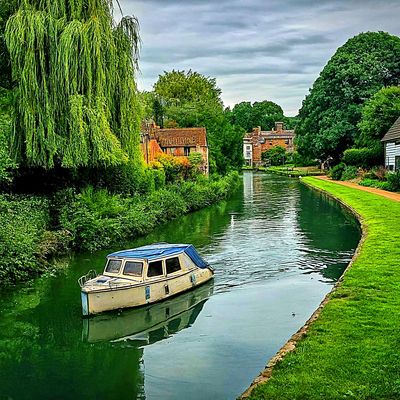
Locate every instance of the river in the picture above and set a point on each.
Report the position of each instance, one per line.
(277, 247)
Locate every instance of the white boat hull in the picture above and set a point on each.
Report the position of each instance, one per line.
(135, 295)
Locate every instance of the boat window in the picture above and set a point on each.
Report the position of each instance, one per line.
(155, 269)
(133, 268)
(173, 265)
(113, 266)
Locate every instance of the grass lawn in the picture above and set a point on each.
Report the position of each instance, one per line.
(352, 351)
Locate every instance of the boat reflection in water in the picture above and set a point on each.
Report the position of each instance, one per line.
(148, 324)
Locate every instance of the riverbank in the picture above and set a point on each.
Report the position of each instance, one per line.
(351, 350)
(34, 230)
(294, 172)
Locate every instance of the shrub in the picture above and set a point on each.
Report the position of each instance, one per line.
(393, 180)
(350, 172)
(23, 223)
(276, 155)
(364, 157)
(374, 183)
(336, 172)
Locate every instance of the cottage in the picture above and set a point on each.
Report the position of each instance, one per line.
(178, 142)
(258, 141)
(391, 141)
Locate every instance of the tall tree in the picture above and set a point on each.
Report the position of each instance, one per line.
(76, 98)
(331, 112)
(266, 113)
(378, 115)
(7, 8)
(260, 113)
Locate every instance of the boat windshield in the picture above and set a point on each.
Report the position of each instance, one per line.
(133, 268)
(113, 266)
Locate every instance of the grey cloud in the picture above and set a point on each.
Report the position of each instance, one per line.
(257, 49)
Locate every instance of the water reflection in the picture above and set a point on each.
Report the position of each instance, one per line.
(149, 324)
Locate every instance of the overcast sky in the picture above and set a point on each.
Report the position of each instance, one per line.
(256, 49)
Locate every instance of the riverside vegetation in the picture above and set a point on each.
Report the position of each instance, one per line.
(351, 350)
(33, 229)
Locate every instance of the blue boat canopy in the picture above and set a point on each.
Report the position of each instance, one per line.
(159, 250)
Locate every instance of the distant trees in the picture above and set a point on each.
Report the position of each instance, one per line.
(331, 113)
(262, 113)
(189, 99)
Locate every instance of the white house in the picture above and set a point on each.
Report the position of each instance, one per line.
(391, 142)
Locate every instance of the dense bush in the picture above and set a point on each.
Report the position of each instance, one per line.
(363, 157)
(299, 160)
(393, 180)
(336, 172)
(275, 155)
(350, 172)
(96, 219)
(376, 184)
(23, 223)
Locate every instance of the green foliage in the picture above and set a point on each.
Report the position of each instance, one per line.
(299, 160)
(378, 115)
(336, 172)
(96, 219)
(6, 164)
(264, 114)
(393, 180)
(76, 102)
(331, 112)
(375, 184)
(23, 222)
(350, 172)
(276, 155)
(7, 8)
(364, 157)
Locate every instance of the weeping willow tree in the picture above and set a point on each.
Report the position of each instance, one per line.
(76, 97)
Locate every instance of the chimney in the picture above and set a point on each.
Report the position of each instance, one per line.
(279, 127)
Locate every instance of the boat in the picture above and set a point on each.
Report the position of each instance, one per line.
(143, 275)
(149, 324)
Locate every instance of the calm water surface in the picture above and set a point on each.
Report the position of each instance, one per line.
(277, 247)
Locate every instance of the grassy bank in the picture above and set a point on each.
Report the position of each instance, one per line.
(352, 350)
(34, 229)
(295, 171)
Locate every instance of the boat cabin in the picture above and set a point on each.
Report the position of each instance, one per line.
(143, 275)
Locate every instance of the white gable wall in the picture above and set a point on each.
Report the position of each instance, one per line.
(391, 151)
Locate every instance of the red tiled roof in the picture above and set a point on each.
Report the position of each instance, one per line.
(177, 137)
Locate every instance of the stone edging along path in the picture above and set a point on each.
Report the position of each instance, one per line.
(290, 345)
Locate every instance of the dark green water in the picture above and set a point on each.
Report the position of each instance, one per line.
(277, 246)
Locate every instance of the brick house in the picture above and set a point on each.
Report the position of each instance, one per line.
(258, 141)
(178, 142)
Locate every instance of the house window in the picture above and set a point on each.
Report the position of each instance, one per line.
(133, 268)
(397, 163)
(186, 151)
(155, 269)
(113, 266)
(248, 147)
(390, 167)
(287, 141)
(173, 265)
